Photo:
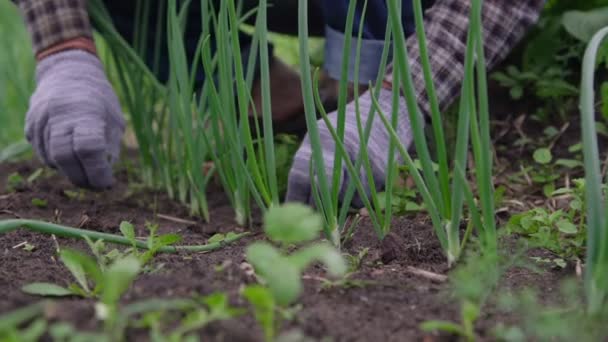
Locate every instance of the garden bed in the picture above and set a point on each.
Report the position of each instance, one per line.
(386, 299)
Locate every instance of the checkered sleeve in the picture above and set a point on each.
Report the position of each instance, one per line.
(51, 22)
(446, 27)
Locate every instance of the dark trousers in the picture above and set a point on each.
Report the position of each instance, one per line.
(324, 16)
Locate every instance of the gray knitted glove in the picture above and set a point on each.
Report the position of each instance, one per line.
(299, 184)
(74, 121)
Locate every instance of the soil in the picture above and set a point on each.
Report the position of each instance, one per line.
(390, 306)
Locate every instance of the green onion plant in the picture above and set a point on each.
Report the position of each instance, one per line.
(335, 210)
(444, 200)
(181, 126)
(596, 271)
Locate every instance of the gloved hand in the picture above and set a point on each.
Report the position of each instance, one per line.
(299, 184)
(75, 122)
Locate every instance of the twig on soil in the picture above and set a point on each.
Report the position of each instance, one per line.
(559, 135)
(176, 219)
(10, 212)
(19, 245)
(436, 277)
(70, 232)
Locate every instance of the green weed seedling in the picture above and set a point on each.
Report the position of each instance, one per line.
(154, 242)
(15, 182)
(291, 225)
(269, 314)
(65, 332)
(354, 262)
(23, 324)
(469, 313)
(562, 231)
(544, 173)
(178, 320)
(264, 309)
(472, 283)
(279, 268)
(563, 320)
(91, 280)
(39, 202)
(550, 85)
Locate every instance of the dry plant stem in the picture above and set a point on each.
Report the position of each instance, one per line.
(70, 232)
(436, 277)
(175, 219)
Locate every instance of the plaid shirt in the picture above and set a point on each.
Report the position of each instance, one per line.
(505, 21)
(51, 22)
(446, 26)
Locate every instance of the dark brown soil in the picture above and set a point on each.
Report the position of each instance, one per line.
(389, 308)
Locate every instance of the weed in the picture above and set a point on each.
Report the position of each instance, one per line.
(39, 202)
(15, 182)
(264, 309)
(70, 232)
(550, 85)
(279, 271)
(565, 320)
(288, 225)
(76, 195)
(12, 324)
(108, 283)
(167, 322)
(472, 283)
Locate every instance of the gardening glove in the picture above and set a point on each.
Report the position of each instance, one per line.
(299, 184)
(75, 122)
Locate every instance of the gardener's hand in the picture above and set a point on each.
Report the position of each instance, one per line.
(299, 185)
(74, 121)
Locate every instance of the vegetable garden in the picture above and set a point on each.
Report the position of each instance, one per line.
(492, 226)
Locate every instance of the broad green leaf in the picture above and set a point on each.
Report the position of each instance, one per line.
(167, 240)
(118, 278)
(566, 227)
(576, 204)
(216, 238)
(281, 276)
(46, 289)
(73, 261)
(325, 253)
(543, 156)
(292, 223)
(575, 148)
(583, 25)
(569, 163)
(128, 231)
